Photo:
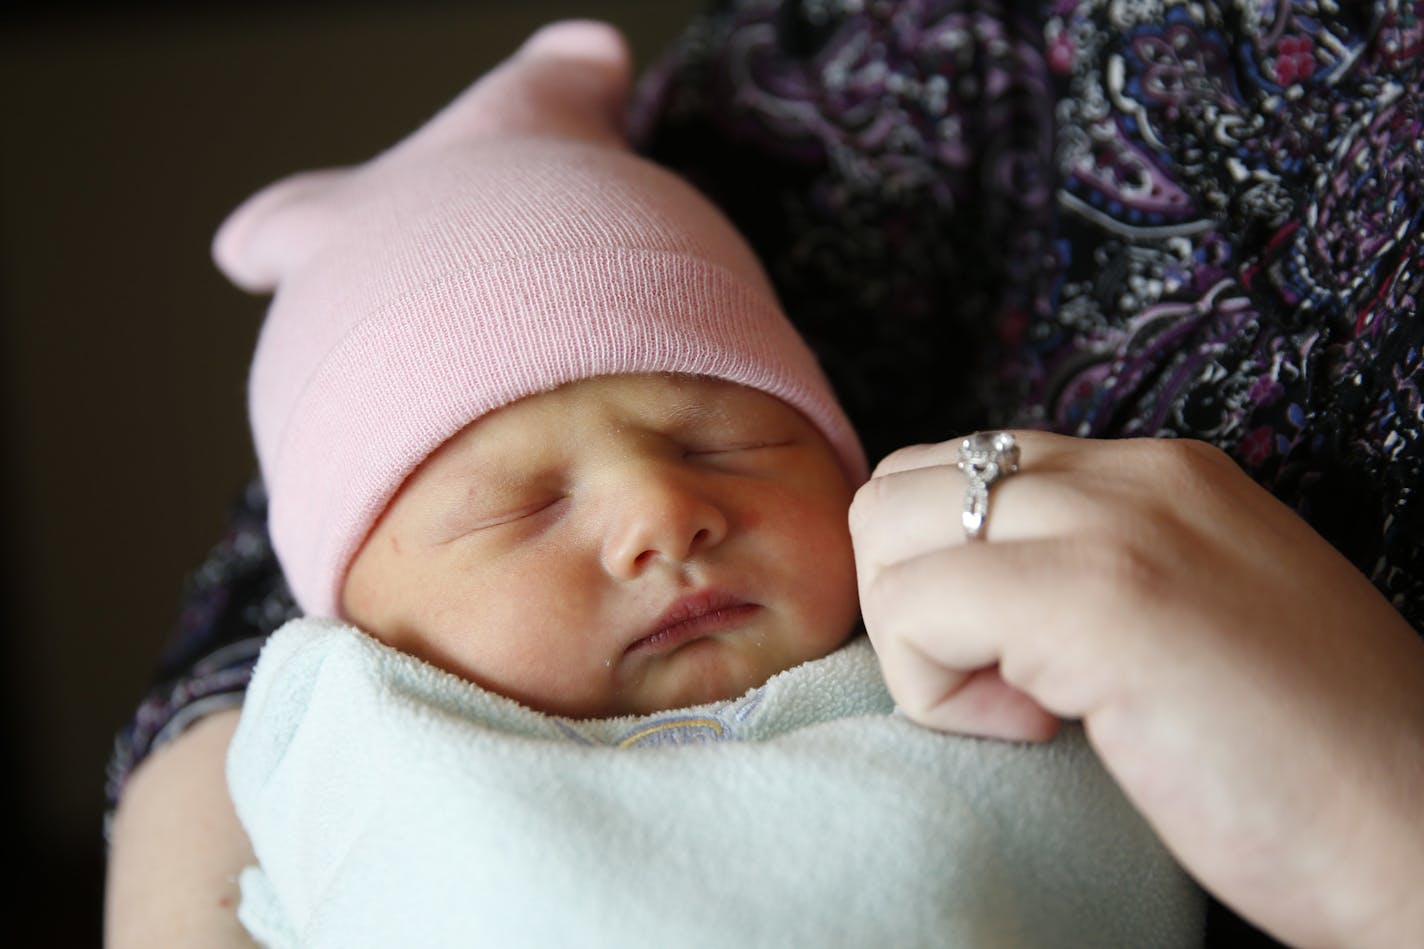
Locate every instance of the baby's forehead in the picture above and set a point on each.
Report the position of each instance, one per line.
(672, 399)
(586, 411)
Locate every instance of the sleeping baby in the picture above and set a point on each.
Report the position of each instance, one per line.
(563, 496)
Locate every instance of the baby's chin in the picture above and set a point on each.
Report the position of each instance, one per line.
(706, 671)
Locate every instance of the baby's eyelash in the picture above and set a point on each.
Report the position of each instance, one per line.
(511, 516)
(519, 514)
(735, 447)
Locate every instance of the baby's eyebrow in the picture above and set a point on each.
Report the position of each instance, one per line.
(490, 476)
(487, 473)
(692, 413)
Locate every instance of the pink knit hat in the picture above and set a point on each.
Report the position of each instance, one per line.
(509, 246)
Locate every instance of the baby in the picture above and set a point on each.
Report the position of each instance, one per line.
(564, 497)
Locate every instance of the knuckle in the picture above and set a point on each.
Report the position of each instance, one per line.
(892, 462)
(887, 596)
(910, 456)
(1179, 457)
(1115, 566)
(1024, 669)
(1181, 475)
(878, 591)
(865, 506)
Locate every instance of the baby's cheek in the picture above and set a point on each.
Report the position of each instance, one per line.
(366, 592)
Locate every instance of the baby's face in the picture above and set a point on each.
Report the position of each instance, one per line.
(621, 545)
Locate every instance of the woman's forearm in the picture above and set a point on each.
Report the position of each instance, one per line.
(176, 848)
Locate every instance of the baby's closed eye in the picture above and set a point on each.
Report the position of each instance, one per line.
(733, 446)
(495, 513)
(753, 457)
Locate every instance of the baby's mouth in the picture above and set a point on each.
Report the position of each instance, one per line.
(694, 617)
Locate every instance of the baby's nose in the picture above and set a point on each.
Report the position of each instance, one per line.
(664, 515)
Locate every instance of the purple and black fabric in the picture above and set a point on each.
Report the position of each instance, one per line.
(1102, 217)
(1176, 218)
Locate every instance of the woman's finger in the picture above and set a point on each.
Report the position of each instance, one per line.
(982, 704)
(1049, 614)
(1032, 447)
(949, 697)
(912, 512)
(904, 515)
(910, 457)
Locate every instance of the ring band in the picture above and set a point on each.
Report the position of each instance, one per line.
(984, 457)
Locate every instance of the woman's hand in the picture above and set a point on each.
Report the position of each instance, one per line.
(1255, 696)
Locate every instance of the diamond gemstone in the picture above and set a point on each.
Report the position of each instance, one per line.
(985, 456)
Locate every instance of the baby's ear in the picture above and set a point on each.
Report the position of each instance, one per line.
(272, 233)
(568, 80)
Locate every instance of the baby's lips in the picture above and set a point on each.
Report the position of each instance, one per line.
(693, 616)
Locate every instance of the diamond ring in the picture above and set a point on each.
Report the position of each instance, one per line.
(984, 457)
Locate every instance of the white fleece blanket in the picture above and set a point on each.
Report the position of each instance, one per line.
(392, 804)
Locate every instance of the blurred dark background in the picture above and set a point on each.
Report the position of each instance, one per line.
(129, 131)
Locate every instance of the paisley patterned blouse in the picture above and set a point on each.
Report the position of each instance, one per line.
(1194, 218)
